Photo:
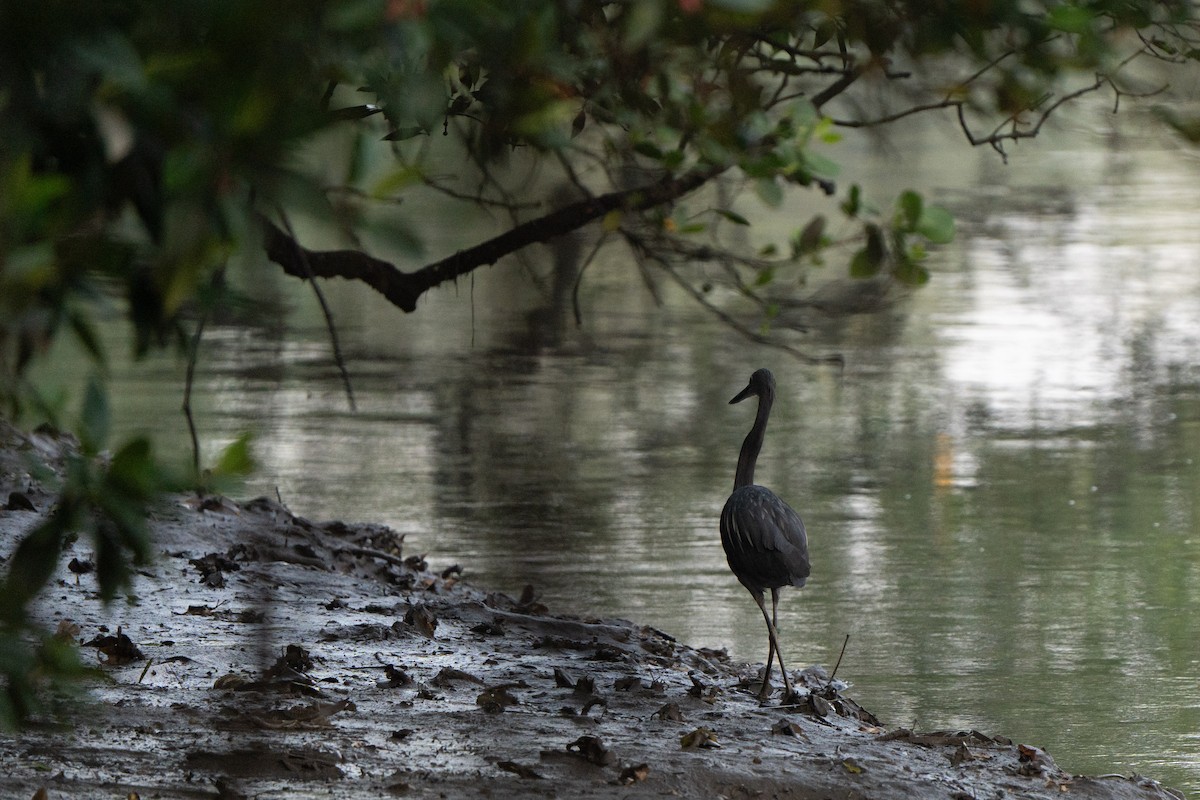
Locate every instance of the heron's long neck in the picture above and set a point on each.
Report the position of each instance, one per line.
(753, 443)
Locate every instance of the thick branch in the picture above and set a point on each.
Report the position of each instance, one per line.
(402, 289)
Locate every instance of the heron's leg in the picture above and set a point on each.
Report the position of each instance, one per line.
(774, 648)
(787, 681)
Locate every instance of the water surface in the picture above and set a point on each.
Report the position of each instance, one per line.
(1001, 486)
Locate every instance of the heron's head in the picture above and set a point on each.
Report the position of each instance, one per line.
(762, 384)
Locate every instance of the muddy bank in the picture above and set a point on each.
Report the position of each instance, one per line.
(265, 655)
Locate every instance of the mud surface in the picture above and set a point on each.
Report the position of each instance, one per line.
(268, 656)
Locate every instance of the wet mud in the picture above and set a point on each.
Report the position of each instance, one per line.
(264, 655)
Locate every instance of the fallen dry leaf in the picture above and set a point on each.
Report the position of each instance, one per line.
(634, 774)
(521, 770)
(592, 750)
(422, 619)
(788, 728)
(496, 699)
(670, 711)
(116, 650)
(701, 737)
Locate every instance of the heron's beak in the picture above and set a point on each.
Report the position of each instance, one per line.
(743, 394)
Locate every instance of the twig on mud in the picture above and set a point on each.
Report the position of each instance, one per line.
(839, 662)
(146, 669)
(369, 553)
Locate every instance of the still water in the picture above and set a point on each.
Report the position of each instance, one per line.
(1001, 487)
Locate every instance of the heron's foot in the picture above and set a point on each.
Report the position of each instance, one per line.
(791, 697)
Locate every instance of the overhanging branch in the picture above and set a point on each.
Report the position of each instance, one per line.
(402, 289)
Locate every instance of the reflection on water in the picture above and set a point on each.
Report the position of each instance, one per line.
(1001, 488)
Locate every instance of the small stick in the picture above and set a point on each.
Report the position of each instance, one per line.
(839, 662)
(369, 553)
(142, 677)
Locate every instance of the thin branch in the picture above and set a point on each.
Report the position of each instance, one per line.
(306, 266)
(478, 200)
(218, 283)
(870, 123)
(579, 279)
(640, 246)
(837, 87)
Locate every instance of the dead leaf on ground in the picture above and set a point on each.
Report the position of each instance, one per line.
(422, 619)
(1034, 761)
(634, 774)
(591, 703)
(116, 651)
(627, 683)
(962, 754)
(608, 652)
(304, 717)
(230, 681)
(704, 691)
(212, 568)
(446, 675)
(592, 750)
(199, 610)
(396, 678)
(520, 770)
(670, 711)
(496, 699)
(701, 737)
(528, 602)
(786, 727)
(563, 679)
(493, 628)
(19, 501)
(78, 568)
(67, 630)
(851, 766)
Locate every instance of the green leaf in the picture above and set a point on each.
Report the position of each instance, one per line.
(32, 565)
(405, 132)
(861, 266)
(642, 22)
(732, 216)
(236, 459)
(910, 204)
(911, 273)
(94, 422)
(824, 31)
(648, 149)
(936, 224)
(769, 192)
(86, 335)
(876, 249)
(134, 471)
(1069, 18)
(853, 202)
(810, 238)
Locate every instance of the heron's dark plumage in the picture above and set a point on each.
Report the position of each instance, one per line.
(765, 542)
(764, 539)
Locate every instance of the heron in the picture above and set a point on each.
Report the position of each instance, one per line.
(764, 539)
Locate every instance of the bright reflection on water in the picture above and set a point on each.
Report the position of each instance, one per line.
(1001, 488)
